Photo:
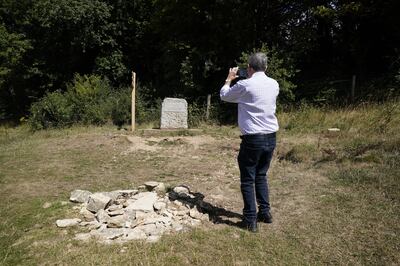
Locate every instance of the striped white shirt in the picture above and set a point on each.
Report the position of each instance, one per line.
(256, 98)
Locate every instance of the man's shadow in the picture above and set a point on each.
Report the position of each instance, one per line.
(217, 215)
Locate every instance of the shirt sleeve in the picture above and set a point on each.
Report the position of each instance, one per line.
(232, 94)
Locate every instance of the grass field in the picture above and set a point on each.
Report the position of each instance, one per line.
(335, 196)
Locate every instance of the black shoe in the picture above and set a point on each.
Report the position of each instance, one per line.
(252, 227)
(264, 218)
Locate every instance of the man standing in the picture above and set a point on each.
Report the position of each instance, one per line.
(256, 98)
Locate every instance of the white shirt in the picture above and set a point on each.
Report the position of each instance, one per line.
(256, 98)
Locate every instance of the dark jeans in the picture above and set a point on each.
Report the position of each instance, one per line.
(254, 159)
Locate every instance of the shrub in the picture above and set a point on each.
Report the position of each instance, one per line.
(53, 110)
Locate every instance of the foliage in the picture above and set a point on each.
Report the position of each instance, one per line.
(278, 68)
(88, 100)
(183, 48)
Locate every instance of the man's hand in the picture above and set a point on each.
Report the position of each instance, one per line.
(232, 75)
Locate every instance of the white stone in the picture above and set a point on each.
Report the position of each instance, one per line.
(80, 196)
(144, 203)
(150, 185)
(91, 225)
(46, 205)
(102, 216)
(135, 234)
(87, 215)
(117, 221)
(333, 129)
(160, 188)
(181, 190)
(174, 113)
(83, 236)
(98, 201)
(194, 214)
(109, 233)
(68, 222)
(116, 213)
(153, 238)
(159, 206)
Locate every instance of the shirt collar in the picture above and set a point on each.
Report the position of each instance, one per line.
(258, 73)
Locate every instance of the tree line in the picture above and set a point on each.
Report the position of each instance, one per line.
(184, 48)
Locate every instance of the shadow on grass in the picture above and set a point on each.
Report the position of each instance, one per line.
(217, 215)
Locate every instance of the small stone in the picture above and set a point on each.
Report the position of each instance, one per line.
(153, 238)
(116, 212)
(114, 208)
(135, 234)
(91, 225)
(63, 203)
(87, 215)
(181, 190)
(142, 188)
(80, 196)
(194, 213)
(83, 236)
(160, 188)
(102, 216)
(144, 203)
(68, 222)
(151, 185)
(149, 229)
(109, 233)
(117, 221)
(46, 205)
(97, 201)
(334, 129)
(159, 206)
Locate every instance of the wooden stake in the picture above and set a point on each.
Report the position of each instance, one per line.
(208, 106)
(133, 99)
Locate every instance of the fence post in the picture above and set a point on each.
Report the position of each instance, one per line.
(133, 99)
(208, 106)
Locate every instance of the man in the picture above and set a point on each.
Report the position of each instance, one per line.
(256, 98)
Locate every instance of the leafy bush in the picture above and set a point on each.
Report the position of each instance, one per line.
(53, 110)
(88, 100)
(89, 95)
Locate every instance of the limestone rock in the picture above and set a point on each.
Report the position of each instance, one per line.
(98, 201)
(174, 113)
(80, 196)
(181, 190)
(135, 234)
(102, 216)
(159, 205)
(47, 205)
(87, 215)
(151, 185)
(144, 203)
(83, 236)
(68, 222)
(117, 221)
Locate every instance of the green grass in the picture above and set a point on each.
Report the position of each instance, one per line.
(335, 197)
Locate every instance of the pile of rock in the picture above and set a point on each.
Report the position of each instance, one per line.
(144, 213)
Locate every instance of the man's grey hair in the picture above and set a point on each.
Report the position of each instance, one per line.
(258, 61)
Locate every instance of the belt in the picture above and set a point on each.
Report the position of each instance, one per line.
(258, 136)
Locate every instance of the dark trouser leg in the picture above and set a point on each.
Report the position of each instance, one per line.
(261, 181)
(247, 160)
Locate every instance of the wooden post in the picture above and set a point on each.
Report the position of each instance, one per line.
(353, 88)
(133, 99)
(208, 106)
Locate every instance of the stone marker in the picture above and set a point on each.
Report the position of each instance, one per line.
(174, 113)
